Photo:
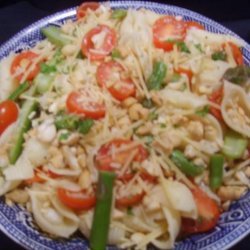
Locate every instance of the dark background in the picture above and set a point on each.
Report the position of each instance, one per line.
(16, 15)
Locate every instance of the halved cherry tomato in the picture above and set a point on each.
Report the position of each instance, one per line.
(23, 62)
(75, 104)
(237, 54)
(82, 9)
(76, 200)
(193, 24)
(105, 159)
(166, 30)
(187, 72)
(8, 114)
(208, 214)
(111, 75)
(216, 97)
(131, 200)
(100, 49)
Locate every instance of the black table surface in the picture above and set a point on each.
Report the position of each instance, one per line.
(16, 15)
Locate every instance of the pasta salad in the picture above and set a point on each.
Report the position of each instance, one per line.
(127, 125)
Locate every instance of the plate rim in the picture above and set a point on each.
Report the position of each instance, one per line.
(244, 228)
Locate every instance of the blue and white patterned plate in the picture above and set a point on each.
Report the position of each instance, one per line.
(17, 223)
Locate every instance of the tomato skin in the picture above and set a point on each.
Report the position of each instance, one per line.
(39, 179)
(82, 9)
(122, 88)
(129, 200)
(237, 54)
(168, 28)
(96, 111)
(187, 72)
(216, 97)
(104, 159)
(145, 175)
(8, 114)
(193, 24)
(35, 179)
(76, 200)
(208, 212)
(107, 46)
(16, 64)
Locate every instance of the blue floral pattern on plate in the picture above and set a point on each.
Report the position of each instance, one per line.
(17, 223)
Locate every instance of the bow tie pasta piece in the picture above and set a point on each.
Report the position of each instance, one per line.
(185, 100)
(52, 216)
(235, 109)
(181, 198)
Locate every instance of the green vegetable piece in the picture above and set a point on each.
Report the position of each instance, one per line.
(147, 103)
(18, 91)
(101, 219)
(234, 146)
(119, 14)
(149, 139)
(238, 75)
(219, 56)
(24, 124)
(187, 167)
(43, 82)
(130, 211)
(55, 35)
(152, 116)
(183, 87)
(156, 79)
(66, 121)
(47, 69)
(203, 112)
(64, 136)
(216, 171)
(84, 126)
(182, 47)
(116, 54)
(198, 47)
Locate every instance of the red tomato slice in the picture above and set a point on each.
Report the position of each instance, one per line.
(129, 200)
(193, 24)
(208, 212)
(82, 9)
(111, 75)
(8, 114)
(92, 110)
(100, 51)
(105, 159)
(216, 97)
(237, 54)
(166, 30)
(187, 72)
(23, 61)
(76, 200)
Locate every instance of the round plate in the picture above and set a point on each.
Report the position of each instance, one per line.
(17, 223)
